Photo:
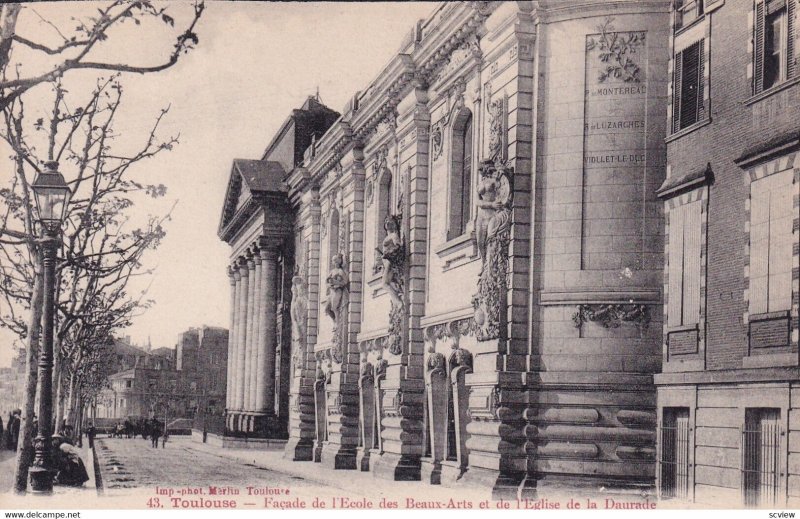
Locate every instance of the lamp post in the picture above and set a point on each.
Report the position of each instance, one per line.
(52, 196)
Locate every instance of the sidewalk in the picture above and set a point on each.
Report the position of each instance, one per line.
(354, 482)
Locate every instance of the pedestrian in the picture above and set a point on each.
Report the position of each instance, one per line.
(90, 432)
(164, 439)
(155, 432)
(2, 433)
(14, 429)
(7, 440)
(70, 468)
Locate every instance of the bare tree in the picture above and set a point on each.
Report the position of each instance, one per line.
(103, 245)
(79, 47)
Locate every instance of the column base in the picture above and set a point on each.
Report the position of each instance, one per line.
(503, 485)
(338, 457)
(41, 480)
(317, 452)
(398, 467)
(431, 471)
(299, 449)
(451, 473)
(362, 459)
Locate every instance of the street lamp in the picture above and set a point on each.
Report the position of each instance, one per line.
(52, 197)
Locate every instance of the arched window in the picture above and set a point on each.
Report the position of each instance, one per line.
(461, 174)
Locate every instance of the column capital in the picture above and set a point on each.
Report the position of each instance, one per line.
(232, 273)
(242, 261)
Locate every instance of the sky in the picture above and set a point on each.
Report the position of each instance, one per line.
(255, 62)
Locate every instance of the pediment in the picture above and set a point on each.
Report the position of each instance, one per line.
(248, 181)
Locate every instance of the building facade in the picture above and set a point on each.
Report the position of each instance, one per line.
(473, 256)
(728, 412)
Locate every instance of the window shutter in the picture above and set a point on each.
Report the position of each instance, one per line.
(676, 92)
(701, 61)
(792, 44)
(758, 49)
(690, 99)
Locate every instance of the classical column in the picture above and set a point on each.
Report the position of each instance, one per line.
(251, 316)
(257, 334)
(266, 392)
(232, 277)
(240, 334)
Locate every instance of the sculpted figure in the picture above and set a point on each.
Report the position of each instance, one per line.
(337, 285)
(298, 309)
(392, 256)
(493, 212)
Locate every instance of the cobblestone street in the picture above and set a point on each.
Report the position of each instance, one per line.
(132, 464)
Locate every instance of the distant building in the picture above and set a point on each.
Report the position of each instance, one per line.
(12, 386)
(728, 396)
(188, 377)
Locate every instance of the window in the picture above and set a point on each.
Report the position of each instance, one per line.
(129, 383)
(461, 174)
(771, 242)
(688, 105)
(687, 11)
(674, 482)
(761, 453)
(683, 306)
(774, 43)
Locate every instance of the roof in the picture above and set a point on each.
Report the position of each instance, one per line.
(261, 175)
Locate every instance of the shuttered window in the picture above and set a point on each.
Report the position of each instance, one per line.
(688, 84)
(684, 264)
(771, 240)
(775, 41)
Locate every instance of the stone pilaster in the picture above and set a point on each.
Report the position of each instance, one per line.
(496, 441)
(403, 395)
(302, 420)
(343, 393)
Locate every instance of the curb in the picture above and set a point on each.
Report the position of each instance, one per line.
(98, 477)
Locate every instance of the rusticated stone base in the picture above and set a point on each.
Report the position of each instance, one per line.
(398, 467)
(299, 449)
(338, 457)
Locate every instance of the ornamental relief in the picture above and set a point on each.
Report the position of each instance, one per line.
(493, 235)
(616, 51)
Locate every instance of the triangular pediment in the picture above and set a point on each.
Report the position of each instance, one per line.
(249, 178)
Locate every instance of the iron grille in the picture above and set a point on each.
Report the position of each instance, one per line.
(761, 455)
(674, 434)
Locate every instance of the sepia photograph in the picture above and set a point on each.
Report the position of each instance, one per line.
(538, 256)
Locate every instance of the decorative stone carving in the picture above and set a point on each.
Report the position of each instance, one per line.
(470, 48)
(335, 307)
(616, 49)
(437, 141)
(493, 230)
(393, 260)
(496, 111)
(612, 315)
(298, 312)
(380, 160)
(436, 361)
(462, 357)
(369, 192)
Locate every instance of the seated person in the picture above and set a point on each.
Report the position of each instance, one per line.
(68, 463)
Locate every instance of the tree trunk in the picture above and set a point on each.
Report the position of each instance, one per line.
(73, 384)
(8, 23)
(25, 448)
